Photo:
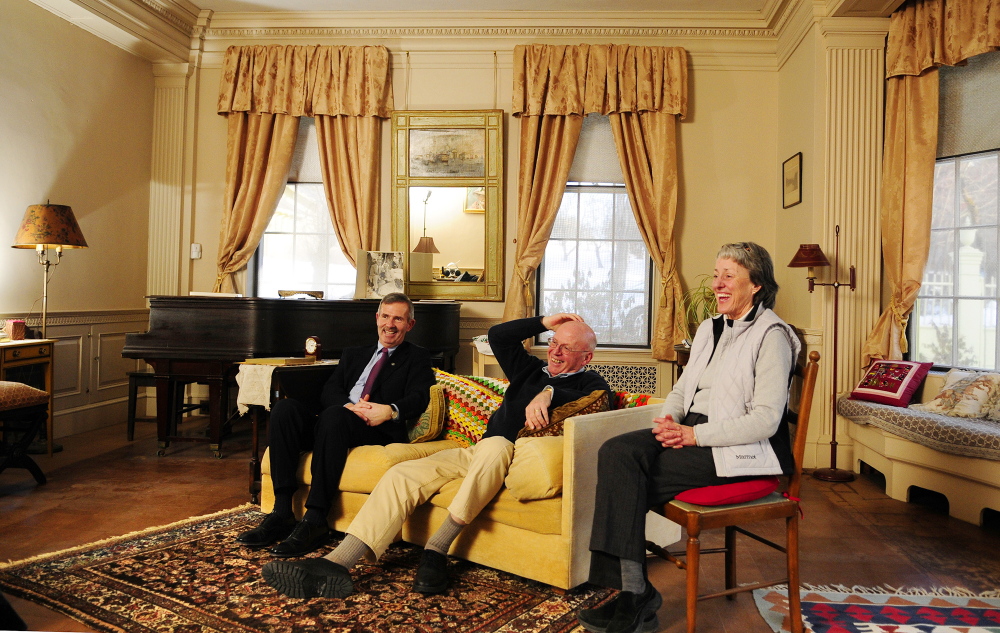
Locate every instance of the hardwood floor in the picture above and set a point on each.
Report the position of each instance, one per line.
(101, 486)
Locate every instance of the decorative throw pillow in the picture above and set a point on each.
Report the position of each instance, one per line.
(536, 472)
(891, 382)
(430, 423)
(738, 492)
(626, 400)
(955, 382)
(471, 402)
(965, 394)
(594, 402)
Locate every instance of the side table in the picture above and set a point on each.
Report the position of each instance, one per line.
(301, 382)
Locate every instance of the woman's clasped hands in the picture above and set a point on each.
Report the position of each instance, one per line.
(672, 435)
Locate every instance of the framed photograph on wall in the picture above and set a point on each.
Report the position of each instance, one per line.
(791, 181)
(379, 273)
(475, 199)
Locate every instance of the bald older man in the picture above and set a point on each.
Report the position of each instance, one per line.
(536, 387)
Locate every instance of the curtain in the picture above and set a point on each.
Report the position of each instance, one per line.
(269, 87)
(923, 35)
(647, 144)
(568, 82)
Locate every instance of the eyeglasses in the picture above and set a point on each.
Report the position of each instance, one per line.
(562, 348)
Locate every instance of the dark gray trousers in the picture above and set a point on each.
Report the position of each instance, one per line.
(634, 474)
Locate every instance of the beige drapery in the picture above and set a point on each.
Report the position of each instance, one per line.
(264, 89)
(923, 35)
(644, 91)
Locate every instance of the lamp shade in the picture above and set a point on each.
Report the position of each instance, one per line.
(809, 255)
(49, 226)
(426, 245)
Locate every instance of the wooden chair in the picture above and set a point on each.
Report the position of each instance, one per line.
(696, 518)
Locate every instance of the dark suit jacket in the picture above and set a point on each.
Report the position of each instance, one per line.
(404, 381)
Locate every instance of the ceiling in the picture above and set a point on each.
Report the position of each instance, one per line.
(700, 6)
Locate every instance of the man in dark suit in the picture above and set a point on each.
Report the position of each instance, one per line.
(369, 398)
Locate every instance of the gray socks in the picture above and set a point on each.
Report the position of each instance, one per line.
(441, 540)
(633, 580)
(349, 552)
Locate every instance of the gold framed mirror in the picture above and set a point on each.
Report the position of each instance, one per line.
(447, 202)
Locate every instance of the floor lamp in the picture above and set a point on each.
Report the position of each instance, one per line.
(44, 227)
(810, 256)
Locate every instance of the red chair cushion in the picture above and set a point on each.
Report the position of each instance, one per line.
(738, 492)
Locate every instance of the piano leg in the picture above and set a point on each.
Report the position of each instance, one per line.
(215, 413)
(258, 414)
(164, 415)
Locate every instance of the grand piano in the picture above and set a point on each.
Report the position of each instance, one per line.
(201, 340)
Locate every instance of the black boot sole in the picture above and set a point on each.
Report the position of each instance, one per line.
(295, 582)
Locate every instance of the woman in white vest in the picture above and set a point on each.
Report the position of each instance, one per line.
(722, 423)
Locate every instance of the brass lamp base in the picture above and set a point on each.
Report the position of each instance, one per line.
(838, 475)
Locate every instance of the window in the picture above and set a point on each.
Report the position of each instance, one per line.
(596, 265)
(299, 249)
(956, 311)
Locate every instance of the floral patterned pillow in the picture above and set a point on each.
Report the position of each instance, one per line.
(594, 402)
(966, 394)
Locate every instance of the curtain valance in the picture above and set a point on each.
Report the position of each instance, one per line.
(307, 80)
(604, 79)
(930, 33)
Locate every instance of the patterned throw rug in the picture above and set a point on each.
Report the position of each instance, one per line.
(883, 610)
(191, 576)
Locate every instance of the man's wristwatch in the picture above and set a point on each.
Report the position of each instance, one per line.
(552, 392)
(395, 412)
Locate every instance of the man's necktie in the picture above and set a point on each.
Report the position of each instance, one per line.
(383, 356)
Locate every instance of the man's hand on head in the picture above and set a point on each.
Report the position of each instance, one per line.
(536, 414)
(553, 321)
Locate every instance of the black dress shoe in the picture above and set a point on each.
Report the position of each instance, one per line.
(305, 538)
(627, 613)
(309, 578)
(273, 528)
(432, 575)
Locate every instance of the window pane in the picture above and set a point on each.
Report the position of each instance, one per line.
(278, 252)
(933, 331)
(631, 266)
(566, 218)
(596, 308)
(943, 212)
(939, 271)
(596, 214)
(630, 318)
(975, 347)
(560, 265)
(559, 301)
(625, 226)
(283, 220)
(978, 179)
(594, 268)
(311, 209)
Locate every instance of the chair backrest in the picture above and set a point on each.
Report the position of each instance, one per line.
(807, 374)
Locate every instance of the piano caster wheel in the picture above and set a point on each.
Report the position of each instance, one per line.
(161, 453)
(218, 454)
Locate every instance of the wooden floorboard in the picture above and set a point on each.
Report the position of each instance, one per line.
(101, 486)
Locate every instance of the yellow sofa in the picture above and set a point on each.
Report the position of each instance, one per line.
(542, 539)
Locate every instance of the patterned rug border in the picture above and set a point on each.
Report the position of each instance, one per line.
(776, 613)
(949, 592)
(114, 540)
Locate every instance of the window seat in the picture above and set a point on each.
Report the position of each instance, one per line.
(956, 457)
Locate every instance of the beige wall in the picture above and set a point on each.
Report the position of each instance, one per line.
(75, 115)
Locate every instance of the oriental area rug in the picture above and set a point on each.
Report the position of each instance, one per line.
(192, 576)
(884, 610)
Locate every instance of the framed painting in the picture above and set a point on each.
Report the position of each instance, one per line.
(791, 181)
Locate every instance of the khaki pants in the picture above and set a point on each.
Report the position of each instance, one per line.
(408, 484)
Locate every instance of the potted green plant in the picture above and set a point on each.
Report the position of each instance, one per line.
(699, 303)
